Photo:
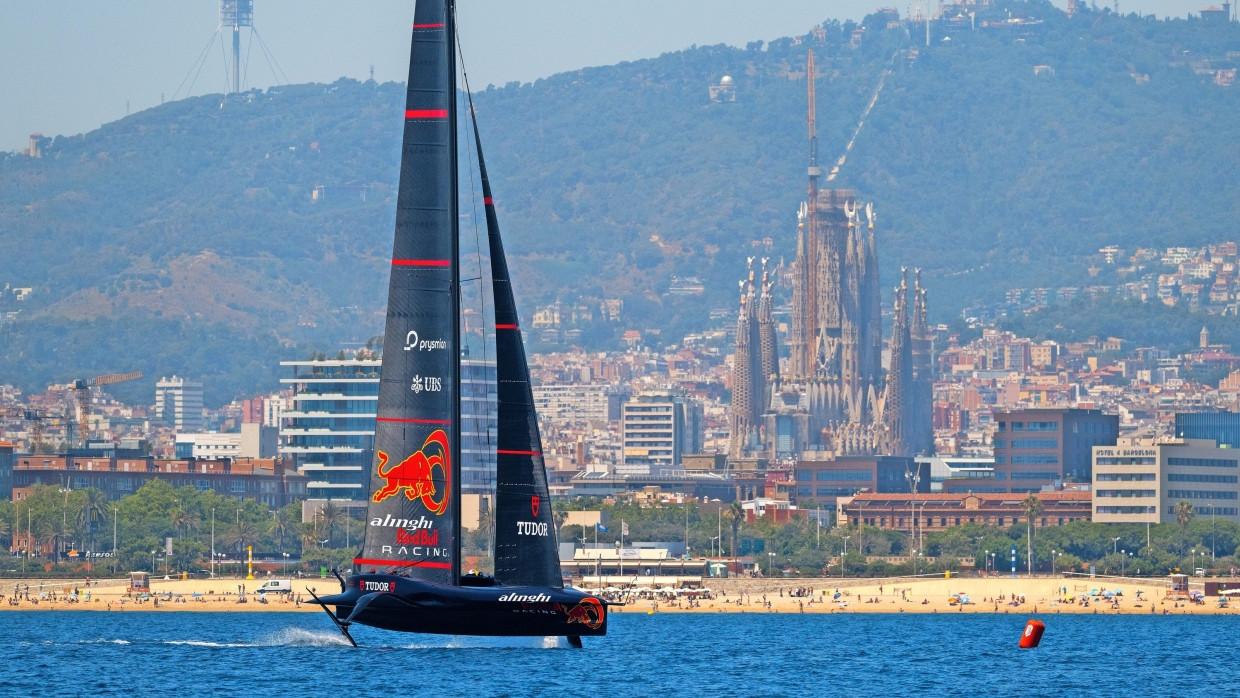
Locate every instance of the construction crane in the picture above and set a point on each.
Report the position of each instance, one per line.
(82, 387)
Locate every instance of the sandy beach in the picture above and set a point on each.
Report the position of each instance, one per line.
(1040, 595)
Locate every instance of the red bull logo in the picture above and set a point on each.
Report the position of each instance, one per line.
(414, 474)
(420, 537)
(589, 612)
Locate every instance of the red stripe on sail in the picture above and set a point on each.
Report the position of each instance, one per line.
(506, 452)
(420, 262)
(406, 420)
(506, 327)
(402, 563)
(487, 200)
(428, 26)
(426, 113)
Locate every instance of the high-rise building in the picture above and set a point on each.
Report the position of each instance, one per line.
(657, 428)
(1036, 448)
(329, 431)
(179, 402)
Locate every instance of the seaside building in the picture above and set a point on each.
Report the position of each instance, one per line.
(825, 482)
(1046, 447)
(936, 512)
(268, 480)
(329, 431)
(178, 402)
(1142, 480)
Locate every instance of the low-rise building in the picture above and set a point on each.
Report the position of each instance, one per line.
(269, 480)
(936, 512)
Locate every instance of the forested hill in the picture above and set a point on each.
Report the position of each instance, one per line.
(189, 238)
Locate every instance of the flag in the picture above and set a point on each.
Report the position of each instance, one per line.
(624, 528)
(600, 527)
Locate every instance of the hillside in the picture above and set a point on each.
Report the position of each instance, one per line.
(189, 238)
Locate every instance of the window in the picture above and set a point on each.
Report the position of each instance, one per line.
(1035, 459)
(1035, 443)
(1208, 462)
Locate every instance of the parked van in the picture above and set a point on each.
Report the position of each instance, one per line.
(276, 586)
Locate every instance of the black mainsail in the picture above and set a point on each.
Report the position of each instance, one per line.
(413, 516)
(407, 576)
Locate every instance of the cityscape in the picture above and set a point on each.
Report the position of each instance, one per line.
(715, 402)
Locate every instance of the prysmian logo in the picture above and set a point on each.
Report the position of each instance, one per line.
(530, 598)
(412, 342)
(376, 586)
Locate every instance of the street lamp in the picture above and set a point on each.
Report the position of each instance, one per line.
(770, 566)
(986, 561)
(1052, 563)
(843, 555)
(1114, 544)
(152, 562)
(992, 562)
(1123, 554)
(285, 564)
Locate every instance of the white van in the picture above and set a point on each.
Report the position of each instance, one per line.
(276, 586)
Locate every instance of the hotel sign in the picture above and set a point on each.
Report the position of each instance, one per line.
(1125, 452)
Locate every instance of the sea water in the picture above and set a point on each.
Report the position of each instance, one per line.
(756, 654)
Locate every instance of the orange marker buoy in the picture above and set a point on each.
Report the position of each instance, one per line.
(1032, 635)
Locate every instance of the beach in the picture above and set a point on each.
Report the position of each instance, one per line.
(1023, 595)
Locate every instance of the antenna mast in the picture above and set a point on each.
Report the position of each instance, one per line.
(236, 14)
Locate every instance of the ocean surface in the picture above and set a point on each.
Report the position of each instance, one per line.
(300, 654)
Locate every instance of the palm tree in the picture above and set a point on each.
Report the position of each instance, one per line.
(737, 512)
(183, 520)
(92, 511)
(243, 533)
(280, 525)
(331, 516)
(1184, 513)
(1033, 509)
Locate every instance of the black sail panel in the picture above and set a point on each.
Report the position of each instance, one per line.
(413, 512)
(526, 549)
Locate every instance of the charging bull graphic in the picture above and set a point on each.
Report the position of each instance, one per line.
(589, 612)
(414, 474)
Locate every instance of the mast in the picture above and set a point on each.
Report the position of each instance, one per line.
(453, 162)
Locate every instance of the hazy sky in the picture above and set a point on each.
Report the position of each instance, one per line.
(68, 66)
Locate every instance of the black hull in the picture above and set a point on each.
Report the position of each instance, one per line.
(411, 605)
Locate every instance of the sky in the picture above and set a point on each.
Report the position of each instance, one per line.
(69, 66)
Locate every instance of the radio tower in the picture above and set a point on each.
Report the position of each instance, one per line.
(236, 14)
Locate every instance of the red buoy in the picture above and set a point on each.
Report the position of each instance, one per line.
(1032, 635)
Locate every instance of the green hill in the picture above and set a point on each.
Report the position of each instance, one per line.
(189, 238)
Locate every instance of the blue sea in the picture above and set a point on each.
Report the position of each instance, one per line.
(299, 654)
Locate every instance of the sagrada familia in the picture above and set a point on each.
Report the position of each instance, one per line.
(831, 398)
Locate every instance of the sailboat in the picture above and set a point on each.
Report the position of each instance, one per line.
(407, 575)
